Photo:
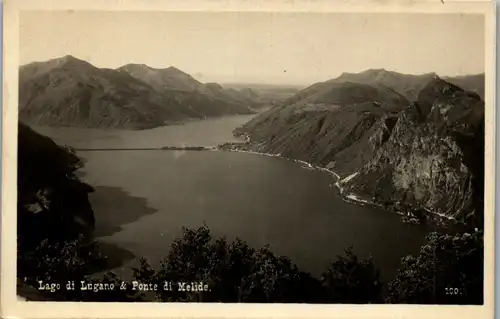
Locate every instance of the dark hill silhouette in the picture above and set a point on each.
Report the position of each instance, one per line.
(51, 200)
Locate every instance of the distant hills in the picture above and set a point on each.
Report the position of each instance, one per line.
(71, 92)
(407, 85)
(408, 142)
(267, 94)
(472, 83)
(162, 79)
(171, 78)
(410, 85)
(389, 85)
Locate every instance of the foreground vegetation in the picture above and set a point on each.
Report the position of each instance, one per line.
(448, 270)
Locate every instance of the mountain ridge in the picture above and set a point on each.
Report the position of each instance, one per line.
(71, 92)
(174, 78)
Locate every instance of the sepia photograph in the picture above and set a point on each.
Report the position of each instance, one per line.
(258, 157)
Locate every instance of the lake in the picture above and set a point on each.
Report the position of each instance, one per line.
(143, 198)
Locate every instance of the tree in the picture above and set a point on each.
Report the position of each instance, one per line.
(448, 270)
(233, 271)
(351, 280)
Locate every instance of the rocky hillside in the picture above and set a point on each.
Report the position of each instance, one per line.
(71, 92)
(420, 155)
(52, 202)
(439, 164)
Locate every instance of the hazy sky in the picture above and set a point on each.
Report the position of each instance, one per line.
(260, 47)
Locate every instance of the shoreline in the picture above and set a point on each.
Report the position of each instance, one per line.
(349, 198)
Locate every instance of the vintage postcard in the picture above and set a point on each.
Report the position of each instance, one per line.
(248, 159)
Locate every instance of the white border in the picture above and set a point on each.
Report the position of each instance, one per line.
(10, 307)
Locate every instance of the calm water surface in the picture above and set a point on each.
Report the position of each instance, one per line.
(143, 198)
(198, 133)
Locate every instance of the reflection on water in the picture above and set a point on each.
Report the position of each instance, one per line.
(121, 208)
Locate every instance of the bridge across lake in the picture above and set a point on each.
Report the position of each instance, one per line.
(164, 148)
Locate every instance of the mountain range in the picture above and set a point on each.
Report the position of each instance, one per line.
(401, 141)
(172, 78)
(71, 92)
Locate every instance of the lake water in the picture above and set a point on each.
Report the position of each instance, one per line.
(143, 198)
(197, 133)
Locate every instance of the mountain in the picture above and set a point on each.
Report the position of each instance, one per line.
(162, 79)
(439, 142)
(337, 93)
(171, 78)
(334, 105)
(407, 85)
(473, 83)
(69, 91)
(326, 122)
(400, 154)
(72, 92)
